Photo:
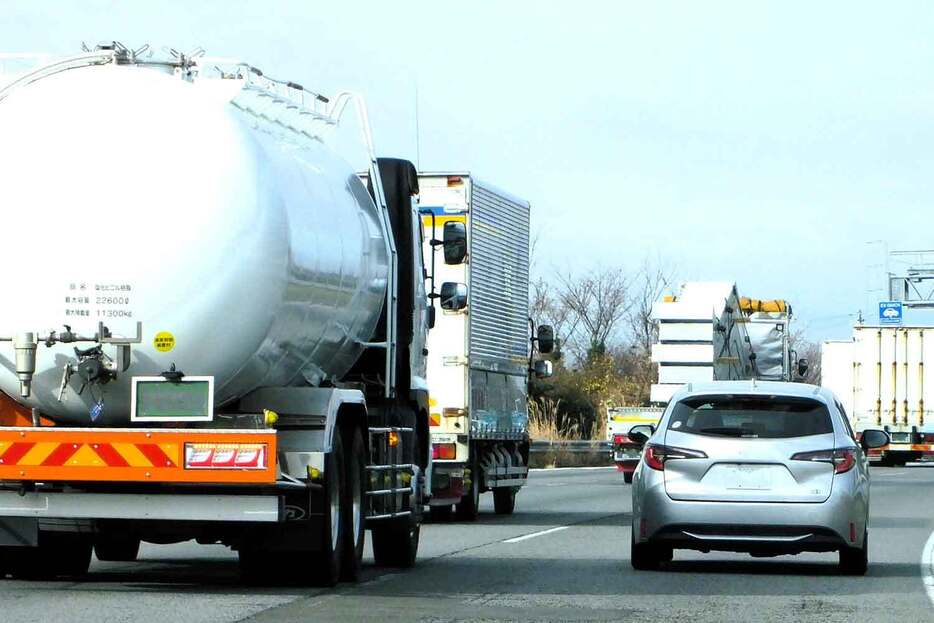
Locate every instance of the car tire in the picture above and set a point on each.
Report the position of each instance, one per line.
(855, 560)
(648, 556)
(627, 477)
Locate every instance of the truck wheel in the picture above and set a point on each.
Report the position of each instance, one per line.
(326, 569)
(58, 554)
(504, 500)
(116, 548)
(353, 511)
(395, 542)
(440, 514)
(469, 506)
(7, 555)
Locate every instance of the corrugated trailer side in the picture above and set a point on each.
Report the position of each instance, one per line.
(881, 379)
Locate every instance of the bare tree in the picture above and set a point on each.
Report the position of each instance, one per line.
(547, 307)
(651, 282)
(805, 349)
(599, 301)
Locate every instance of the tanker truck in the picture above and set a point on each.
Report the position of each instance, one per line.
(213, 328)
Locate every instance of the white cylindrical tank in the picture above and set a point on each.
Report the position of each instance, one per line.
(129, 194)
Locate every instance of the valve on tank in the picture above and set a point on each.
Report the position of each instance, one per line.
(25, 344)
(94, 365)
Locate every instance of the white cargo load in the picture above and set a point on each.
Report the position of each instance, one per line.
(882, 381)
(708, 332)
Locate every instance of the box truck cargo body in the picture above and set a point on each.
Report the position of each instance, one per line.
(881, 380)
(478, 354)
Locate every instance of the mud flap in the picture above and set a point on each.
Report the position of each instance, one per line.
(19, 531)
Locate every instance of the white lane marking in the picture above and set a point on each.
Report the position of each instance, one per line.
(525, 537)
(927, 567)
(566, 469)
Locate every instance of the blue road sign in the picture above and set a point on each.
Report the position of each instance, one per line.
(890, 312)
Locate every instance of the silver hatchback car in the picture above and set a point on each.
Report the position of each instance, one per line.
(765, 468)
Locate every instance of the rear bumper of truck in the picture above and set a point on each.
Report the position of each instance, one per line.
(141, 506)
(40, 454)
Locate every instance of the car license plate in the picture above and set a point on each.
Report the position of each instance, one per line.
(627, 454)
(751, 477)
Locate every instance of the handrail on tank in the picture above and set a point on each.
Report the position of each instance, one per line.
(335, 112)
(98, 57)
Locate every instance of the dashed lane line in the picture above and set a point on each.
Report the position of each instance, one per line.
(526, 537)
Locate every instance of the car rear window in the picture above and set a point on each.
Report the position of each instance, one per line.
(770, 417)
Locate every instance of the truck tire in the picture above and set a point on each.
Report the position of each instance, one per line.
(395, 542)
(440, 514)
(469, 507)
(326, 566)
(504, 500)
(353, 513)
(58, 554)
(116, 548)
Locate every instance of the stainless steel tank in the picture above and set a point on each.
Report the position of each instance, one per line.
(132, 195)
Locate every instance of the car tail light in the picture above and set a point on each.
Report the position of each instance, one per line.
(655, 455)
(226, 456)
(618, 439)
(843, 459)
(444, 451)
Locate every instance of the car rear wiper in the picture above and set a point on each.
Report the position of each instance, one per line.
(729, 431)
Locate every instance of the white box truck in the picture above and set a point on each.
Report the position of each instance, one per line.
(479, 351)
(881, 380)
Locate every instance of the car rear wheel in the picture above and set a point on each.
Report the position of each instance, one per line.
(855, 560)
(648, 556)
(627, 477)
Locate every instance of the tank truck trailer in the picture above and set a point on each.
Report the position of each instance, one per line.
(480, 352)
(271, 395)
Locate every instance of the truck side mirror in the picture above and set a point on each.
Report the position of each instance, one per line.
(543, 369)
(546, 339)
(454, 241)
(453, 296)
(432, 315)
(802, 367)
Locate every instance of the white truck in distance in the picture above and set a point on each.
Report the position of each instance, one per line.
(479, 351)
(270, 392)
(881, 380)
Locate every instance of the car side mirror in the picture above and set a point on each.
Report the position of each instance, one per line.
(874, 438)
(803, 367)
(454, 241)
(641, 433)
(543, 369)
(546, 339)
(453, 296)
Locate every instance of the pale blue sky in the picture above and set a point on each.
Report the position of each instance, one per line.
(763, 143)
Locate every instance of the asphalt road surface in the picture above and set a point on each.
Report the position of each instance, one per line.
(564, 556)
